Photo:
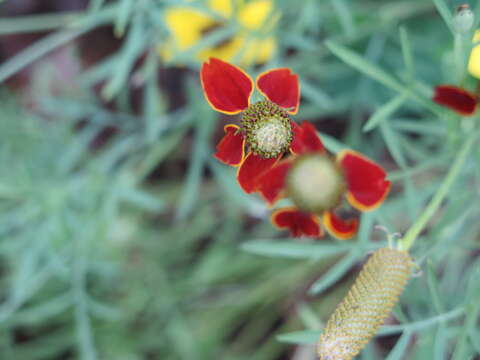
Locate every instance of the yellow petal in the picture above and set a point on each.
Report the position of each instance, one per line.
(226, 52)
(223, 7)
(259, 51)
(186, 25)
(253, 14)
(474, 60)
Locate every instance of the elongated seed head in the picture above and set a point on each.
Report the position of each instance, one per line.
(366, 306)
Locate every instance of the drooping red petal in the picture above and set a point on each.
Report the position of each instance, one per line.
(305, 139)
(456, 99)
(366, 184)
(271, 184)
(226, 87)
(231, 149)
(281, 87)
(297, 222)
(250, 170)
(339, 228)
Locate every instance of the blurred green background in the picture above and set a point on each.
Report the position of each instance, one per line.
(122, 238)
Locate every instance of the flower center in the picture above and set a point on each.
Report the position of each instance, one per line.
(315, 183)
(267, 128)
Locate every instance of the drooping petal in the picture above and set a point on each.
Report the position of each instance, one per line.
(297, 222)
(366, 184)
(456, 99)
(305, 139)
(226, 87)
(271, 184)
(250, 170)
(231, 149)
(339, 228)
(281, 87)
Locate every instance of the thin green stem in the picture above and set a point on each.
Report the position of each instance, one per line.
(412, 234)
(458, 55)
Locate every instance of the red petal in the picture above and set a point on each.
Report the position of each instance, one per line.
(250, 170)
(339, 228)
(281, 87)
(226, 87)
(305, 139)
(298, 222)
(231, 149)
(271, 184)
(455, 98)
(367, 187)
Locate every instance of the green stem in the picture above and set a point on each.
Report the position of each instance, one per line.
(458, 56)
(412, 234)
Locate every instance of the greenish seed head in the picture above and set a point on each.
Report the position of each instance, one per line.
(315, 183)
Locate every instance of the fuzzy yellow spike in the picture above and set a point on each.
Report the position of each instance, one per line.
(366, 306)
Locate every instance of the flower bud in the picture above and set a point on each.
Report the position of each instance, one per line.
(463, 19)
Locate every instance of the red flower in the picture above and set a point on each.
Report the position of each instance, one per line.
(455, 98)
(316, 184)
(266, 127)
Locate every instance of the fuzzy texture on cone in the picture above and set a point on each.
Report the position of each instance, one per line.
(366, 306)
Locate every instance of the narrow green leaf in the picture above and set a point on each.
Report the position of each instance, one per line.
(309, 317)
(433, 288)
(440, 343)
(395, 149)
(332, 144)
(334, 274)
(361, 64)
(294, 250)
(51, 42)
(300, 337)
(345, 16)
(123, 15)
(401, 347)
(384, 112)
(34, 23)
(95, 5)
(199, 155)
(132, 48)
(315, 95)
(407, 53)
(444, 12)
(422, 324)
(358, 62)
(463, 348)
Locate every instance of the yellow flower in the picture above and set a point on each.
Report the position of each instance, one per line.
(250, 44)
(474, 61)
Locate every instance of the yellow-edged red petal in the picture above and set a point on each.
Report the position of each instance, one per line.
(456, 99)
(227, 88)
(231, 149)
(250, 170)
(339, 228)
(297, 222)
(366, 183)
(271, 184)
(305, 139)
(281, 87)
